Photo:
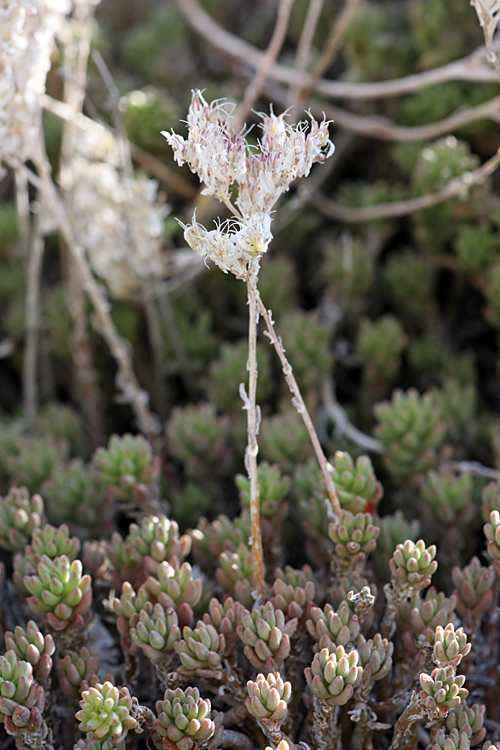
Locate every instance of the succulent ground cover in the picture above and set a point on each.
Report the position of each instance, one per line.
(249, 393)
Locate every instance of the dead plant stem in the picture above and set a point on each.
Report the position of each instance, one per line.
(300, 405)
(126, 379)
(253, 420)
(274, 48)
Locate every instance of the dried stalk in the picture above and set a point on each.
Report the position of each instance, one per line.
(126, 379)
(344, 428)
(147, 161)
(274, 48)
(300, 405)
(253, 420)
(74, 95)
(376, 126)
(469, 68)
(304, 50)
(332, 46)
(458, 186)
(30, 388)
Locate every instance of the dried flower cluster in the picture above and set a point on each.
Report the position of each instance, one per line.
(262, 173)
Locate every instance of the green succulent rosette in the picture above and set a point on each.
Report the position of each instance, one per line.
(106, 712)
(183, 719)
(60, 593)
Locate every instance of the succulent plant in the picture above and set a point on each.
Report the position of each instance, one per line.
(184, 719)
(268, 698)
(173, 585)
(453, 740)
(60, 593)
(20, 515)
(36, 461)
(411, 430)
(74, 496)
(126, 466)
(442, 690)
(431, 610)
(492, 534)
(21, 699)
(156, 632)
(157, 539)
(333, 675)
(229, 370)
(127, 609)
(224, 618)
(468, 719)
(354, 536)
(474, 589)
(412, 565)
(375, 653)
(294, 601)
(450, 646)
(273, 488)
(236, 573)
(200, 649)
(106, 712)
(357, 487)
(266, 636)
(199, 439)
(449, 496)
(306, 340)
(32, 646)
(53, 541)
(333, 628)
(490, 497)
(78, 672)
(284, 440)
(379, 345)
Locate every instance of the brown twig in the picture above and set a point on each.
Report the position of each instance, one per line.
(274, 48)
(375, 126)
(126, 379)
(30, 388)
(304, 49)
(74, 95)
(253, 420)
(469, 68)
(456, 187)
(344, 428)
(332, 45)
(300, 405)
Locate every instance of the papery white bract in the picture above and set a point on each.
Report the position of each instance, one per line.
(233, 244)
(222, 159)
(27, 31)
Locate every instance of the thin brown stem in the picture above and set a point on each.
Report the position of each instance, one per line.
(300, 405)
(74, 94)
(30, 387)
(469, 68)
(458, 186)
(253, 419)
(332, 45)
(381, 128)
(410, 715)
(274, 48)
(126, 379)
(304, 50)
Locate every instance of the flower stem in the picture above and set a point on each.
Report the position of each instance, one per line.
(300, 405)
(253, 419)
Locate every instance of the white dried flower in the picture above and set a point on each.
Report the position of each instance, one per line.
(233, 244)
(222, 159)
(27, 31)
(119, 221)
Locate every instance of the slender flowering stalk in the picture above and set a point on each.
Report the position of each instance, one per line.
(222, 159)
